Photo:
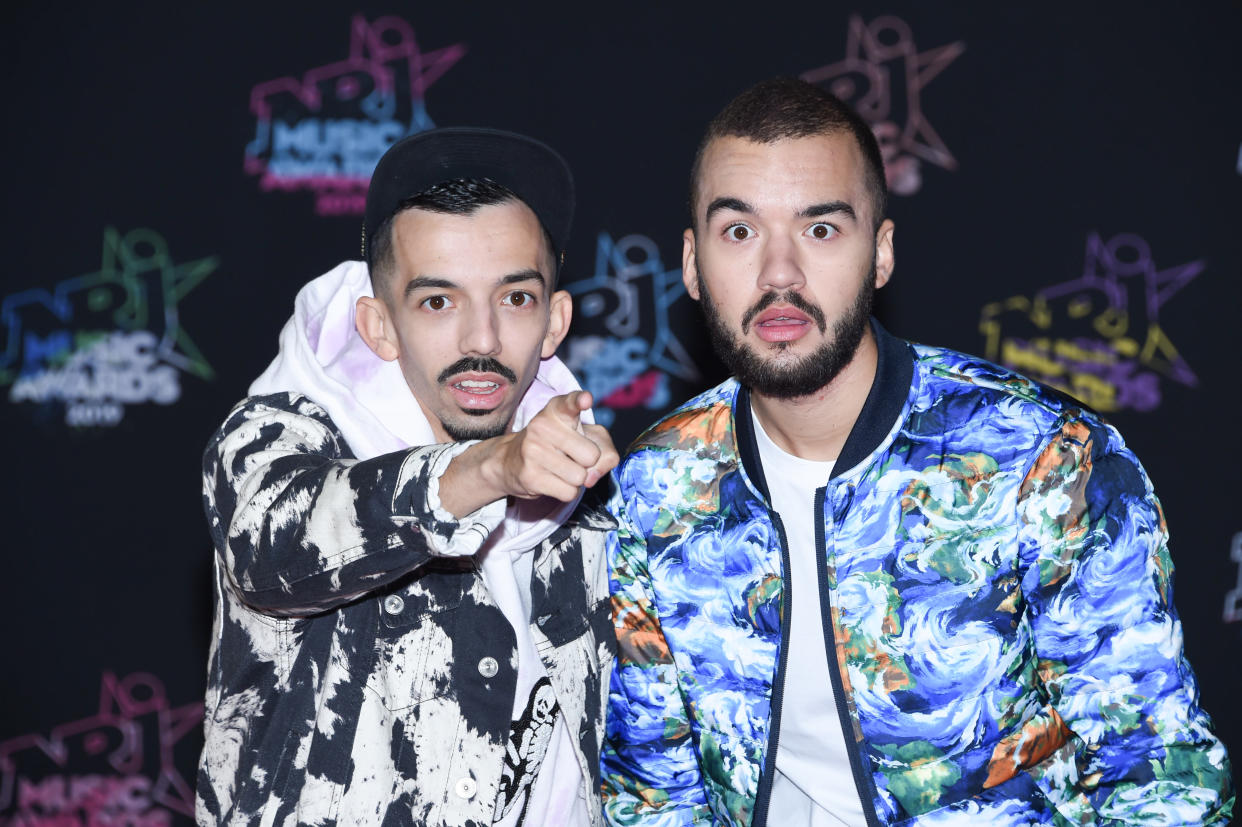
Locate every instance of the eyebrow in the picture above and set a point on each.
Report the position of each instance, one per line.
(522, 276)
(813, 211)
(727, 203)
(434, 283)
(828, 208)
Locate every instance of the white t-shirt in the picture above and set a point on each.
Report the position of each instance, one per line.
(814, 784)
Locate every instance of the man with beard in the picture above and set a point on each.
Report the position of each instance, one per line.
(868, 582)
(412, 615)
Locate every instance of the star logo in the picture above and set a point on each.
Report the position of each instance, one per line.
(629, 296)
(113, 335)
(326, 130)
(1122, 291)
(1097, 336)
(883, 75)
(137, 287)
(116, 763)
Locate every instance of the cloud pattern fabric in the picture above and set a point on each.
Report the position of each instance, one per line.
(1006, 647)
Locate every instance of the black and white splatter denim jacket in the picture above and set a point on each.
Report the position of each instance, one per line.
(360, 672)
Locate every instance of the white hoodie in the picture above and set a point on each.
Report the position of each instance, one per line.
(323, 357)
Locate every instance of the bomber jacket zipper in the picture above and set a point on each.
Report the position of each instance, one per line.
(863, 783)
(759, 818)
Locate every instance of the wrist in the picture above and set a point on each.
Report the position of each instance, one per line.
(487, 461)
(471, 480)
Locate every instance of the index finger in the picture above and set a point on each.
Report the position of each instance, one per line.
(570, 405)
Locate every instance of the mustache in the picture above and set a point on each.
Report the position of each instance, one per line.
(790, 298)
(478, 364)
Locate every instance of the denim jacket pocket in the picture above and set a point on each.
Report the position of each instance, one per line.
(414, 645)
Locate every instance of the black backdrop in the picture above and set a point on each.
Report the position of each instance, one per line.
(1067, 180)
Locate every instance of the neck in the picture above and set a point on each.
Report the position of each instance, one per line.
(816, 426)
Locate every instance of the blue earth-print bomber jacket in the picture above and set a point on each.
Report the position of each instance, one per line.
(359, 675)
(996, 588)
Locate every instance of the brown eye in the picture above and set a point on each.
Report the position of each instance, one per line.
(519, 298)
(739, 232)
(435, 302)
(823, 231)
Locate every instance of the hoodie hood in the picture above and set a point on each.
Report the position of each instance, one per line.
(323, 357)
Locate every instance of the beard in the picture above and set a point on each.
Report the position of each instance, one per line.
(464, 430)
(804, 375)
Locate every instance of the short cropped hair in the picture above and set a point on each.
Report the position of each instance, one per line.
(458, 196)
(785, 107)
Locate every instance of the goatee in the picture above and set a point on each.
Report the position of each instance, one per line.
(464, 431)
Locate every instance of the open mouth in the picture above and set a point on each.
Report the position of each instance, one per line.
(782, 324)
(477, 385)
(478, 393)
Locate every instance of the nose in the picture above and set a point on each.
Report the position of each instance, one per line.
(779, 268)
(480, 334)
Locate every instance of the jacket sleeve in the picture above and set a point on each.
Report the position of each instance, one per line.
(649, 766)
(1099, 588)
(301, 527)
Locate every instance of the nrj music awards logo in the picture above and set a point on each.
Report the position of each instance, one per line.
(98, 343)
(326, 130)
(883, 75)
(1097, 337)
(628, 301)
(117, 766)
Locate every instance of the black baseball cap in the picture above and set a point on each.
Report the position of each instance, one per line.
(530, 169)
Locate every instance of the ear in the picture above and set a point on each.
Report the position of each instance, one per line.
(376, 329)
(689, 264)
(560, 312)
(884, 260)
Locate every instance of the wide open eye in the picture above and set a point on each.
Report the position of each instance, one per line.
(436, 303)
(738, 232)
(822, 231)
(519, 298)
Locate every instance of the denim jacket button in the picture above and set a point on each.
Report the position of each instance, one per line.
(465, 787)
(488, 667)
(393, 604)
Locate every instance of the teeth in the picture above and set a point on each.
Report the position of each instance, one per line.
(476, 386)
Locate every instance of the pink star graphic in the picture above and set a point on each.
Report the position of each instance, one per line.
(880, 61)
(131, 711)
(374, 48)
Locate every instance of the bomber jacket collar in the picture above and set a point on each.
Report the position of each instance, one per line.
(889, 390)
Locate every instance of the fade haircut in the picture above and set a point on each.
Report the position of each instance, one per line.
(785, 107)
(457, 196)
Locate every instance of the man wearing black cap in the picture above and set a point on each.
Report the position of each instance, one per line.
(412, 613)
